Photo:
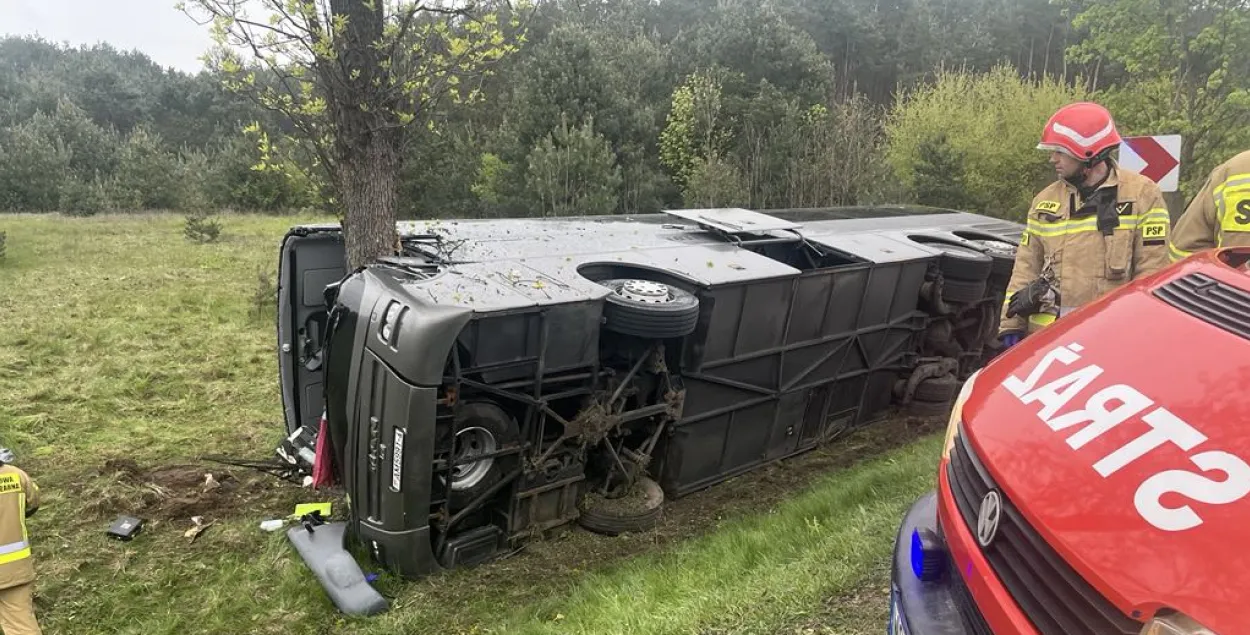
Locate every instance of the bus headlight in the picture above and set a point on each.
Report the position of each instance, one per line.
(390, 322)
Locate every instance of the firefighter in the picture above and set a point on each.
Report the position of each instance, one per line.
(1095, 228)
(19, 499)
(1219, 216)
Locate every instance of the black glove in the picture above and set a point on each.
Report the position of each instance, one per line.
(1028, 300)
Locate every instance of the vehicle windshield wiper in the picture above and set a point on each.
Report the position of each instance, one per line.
(433, 247)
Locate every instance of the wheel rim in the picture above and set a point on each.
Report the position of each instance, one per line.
(645, 291)
(471, 442)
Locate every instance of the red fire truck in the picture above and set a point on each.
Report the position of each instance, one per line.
(1096, 477)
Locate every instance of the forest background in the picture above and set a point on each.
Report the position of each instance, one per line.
(632, 106)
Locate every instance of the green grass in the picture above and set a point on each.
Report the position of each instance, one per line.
(121, 340)
(755, 574)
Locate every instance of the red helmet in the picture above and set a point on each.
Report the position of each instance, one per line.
(1084, 130)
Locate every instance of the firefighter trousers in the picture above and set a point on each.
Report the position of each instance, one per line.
(17, 610)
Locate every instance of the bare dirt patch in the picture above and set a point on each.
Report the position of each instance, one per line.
(182, 491)
(632, 502)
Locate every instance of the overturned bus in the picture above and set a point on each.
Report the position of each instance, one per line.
(503, 377)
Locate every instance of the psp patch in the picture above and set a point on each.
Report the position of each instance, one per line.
(1237, 212)
(1154, 231)
(1048, 206)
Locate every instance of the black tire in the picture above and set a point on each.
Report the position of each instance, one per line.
(964, 263)
(937, 390)
(502, 429)
(963, 291)
(675, 316)
(998, 282)
(929, 408)
(603, 519)
(1003, 255)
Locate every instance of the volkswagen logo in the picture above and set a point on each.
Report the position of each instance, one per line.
(987, 520)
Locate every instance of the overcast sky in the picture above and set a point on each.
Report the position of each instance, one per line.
(155, 27)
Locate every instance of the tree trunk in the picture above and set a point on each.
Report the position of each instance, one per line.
(369, 179)
(1046, 65)
(367, 138)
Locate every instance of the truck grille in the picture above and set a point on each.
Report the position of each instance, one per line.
(1051, 594)
(1211, 301)
(974, 623)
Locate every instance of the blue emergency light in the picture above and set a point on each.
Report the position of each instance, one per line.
(928, 559)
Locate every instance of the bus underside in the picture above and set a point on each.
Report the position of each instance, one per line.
(459, 432)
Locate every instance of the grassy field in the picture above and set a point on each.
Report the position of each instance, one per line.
(128, 353)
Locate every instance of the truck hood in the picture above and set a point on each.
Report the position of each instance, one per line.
(1149, 500)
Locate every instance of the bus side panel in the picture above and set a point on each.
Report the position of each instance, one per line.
(788, 363)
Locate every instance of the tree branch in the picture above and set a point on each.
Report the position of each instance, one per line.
(276, 6)
(244, 36)
(268, 27)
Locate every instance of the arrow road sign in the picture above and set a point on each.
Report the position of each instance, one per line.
(1157, 158)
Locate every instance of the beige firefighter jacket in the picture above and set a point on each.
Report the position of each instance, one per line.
(18, 494)
(1062, 238)
(1219, 216)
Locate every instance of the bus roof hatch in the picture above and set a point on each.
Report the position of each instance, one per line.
(734, 220)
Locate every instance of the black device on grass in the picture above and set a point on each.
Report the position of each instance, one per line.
(125, 528)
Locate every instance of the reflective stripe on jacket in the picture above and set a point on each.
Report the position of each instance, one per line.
(18, 495)
(1219, 216)
(1062, 235)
